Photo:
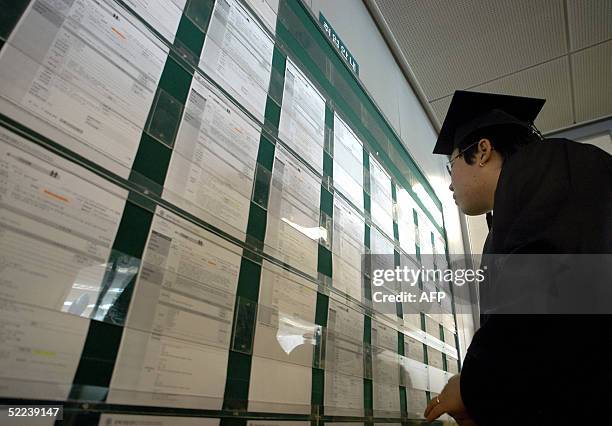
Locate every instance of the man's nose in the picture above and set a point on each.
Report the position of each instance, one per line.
(451, 187)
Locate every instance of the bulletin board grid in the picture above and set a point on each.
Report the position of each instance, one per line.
(297, 34)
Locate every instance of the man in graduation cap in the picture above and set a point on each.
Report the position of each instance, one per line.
(548, 196)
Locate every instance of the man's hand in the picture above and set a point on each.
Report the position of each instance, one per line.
(451, 403)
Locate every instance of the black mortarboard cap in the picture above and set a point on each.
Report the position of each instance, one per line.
(470, 111)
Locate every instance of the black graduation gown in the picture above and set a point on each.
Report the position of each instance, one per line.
(551, 197)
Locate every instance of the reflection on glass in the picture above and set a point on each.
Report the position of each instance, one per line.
(293, 333)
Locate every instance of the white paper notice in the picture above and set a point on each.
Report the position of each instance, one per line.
(411, 310)
(279, 423)
(386, 399)
(349, 232)
(347, 278)
(348, 248)
(345, 424)
(213, 163)
(348, 163)
(439, 248)
(137, 420)
(267, 11)
(343, 394)
(345, 340)
(384, 336)
(412, 316)
(417, 402)
(428, 203)
(385, 370)
(83, 74)
(293, 229)
(437, 379)
(385, 367)
(302, 118)
(415, 374)
(58, 224)
(175, 349)
(41, 350)
(382, 201)
(434, 358)
(344, 361)
(448, 320)
(449, 338)
(405, 221)
(383, 258)
(414, 349)
(284, 342)
(163, 15)
(426, 229)
(279, 387)
(237, 53)
(382, 250)
(433, 316)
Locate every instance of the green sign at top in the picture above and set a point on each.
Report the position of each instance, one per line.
(342, 49)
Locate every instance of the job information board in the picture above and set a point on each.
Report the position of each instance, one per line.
(185, 202)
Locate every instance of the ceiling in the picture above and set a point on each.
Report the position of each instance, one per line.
(560, 50)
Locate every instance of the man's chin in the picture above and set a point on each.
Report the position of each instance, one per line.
(470, 210)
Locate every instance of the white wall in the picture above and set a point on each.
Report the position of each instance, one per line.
(598, 133)
(386, 84)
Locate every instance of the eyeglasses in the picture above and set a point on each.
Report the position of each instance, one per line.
(449, 165)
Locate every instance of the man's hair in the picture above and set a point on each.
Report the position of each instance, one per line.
(505, 139)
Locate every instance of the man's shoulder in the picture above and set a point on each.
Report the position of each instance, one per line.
(556, 146)
(548, 173)
(556, 193)
(559, 153)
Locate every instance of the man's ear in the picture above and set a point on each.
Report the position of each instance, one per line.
(485, 150)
